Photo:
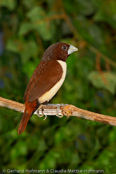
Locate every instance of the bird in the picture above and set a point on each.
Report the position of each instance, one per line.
(46, 80)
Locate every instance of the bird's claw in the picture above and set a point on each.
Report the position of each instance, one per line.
(57, 112)
(40, 115)
(59, 116)
(45, 118)
(67, 117)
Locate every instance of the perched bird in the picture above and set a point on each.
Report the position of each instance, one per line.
(46, 79)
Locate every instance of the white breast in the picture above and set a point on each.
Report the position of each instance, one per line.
(49, 94)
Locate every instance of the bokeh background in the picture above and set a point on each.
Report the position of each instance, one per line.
(27, 28)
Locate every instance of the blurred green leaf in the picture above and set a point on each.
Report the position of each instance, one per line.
(44, 27)
(107, 15)
(26, 49)
(85, 8)
(10, 4)
(105, 80)
(28, 3)
(25, 27)
(36, 13)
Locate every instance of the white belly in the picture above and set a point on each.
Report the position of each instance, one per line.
(49, 94)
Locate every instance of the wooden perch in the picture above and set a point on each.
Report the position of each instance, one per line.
(67, 110)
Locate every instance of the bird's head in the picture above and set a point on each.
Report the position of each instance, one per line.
(58, 51)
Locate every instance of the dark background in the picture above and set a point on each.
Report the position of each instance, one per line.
(27, 28)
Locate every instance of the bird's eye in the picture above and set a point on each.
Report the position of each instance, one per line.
(64, 47)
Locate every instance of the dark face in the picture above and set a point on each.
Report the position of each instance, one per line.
(57, 51)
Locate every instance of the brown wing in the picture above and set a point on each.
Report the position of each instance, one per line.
(45, 76)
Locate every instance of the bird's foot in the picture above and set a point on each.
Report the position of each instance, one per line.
(41, 115)
(58, 110)
(58, 113)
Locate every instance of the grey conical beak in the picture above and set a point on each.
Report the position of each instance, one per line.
(72, 49)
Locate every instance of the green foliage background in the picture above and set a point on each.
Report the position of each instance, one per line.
(27, 28)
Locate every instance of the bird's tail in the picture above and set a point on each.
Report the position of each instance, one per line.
(29, 110)
(23, 122)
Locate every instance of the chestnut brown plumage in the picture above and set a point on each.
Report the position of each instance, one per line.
(46, 79)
